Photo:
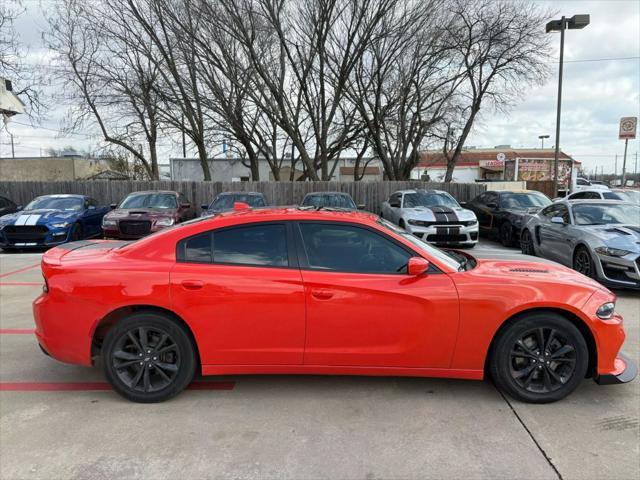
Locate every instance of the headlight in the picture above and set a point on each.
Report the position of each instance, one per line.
(611, 252)
(164, 222)
(469, 223)
(107, 222)
(606, 310)
(420, 223)
(61, 225)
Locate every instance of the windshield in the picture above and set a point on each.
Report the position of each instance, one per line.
(150, 200)
(225, 202)
(524, 200)
(56, 203)
(599, 214)
(445, 257)
(329, 200)
(429, 199)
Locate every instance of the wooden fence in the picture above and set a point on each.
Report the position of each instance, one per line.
(372, 194)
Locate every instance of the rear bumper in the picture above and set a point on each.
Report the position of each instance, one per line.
(625, 371)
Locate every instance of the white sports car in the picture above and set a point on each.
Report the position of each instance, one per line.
(432, 215)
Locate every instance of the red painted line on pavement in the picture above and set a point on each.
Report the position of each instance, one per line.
(21, 284)
(20, 270)
(93, 386)
(16, 331)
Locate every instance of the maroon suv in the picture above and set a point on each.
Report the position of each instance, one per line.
(142, 213)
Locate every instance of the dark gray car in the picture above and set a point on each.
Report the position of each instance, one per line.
(598, 238)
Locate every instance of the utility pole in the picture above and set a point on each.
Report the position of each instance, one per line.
(624, 163)
(184, 143)
(615, 170)
(13, 150)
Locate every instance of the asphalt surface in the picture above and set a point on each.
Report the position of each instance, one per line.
(299, 427)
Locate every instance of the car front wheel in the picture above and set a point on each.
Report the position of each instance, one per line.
(583, 263)
(526, 243)
(539, 358)
(506, 234)
(148, 358)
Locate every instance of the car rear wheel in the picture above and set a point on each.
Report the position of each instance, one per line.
(506, 234)
(148, 358)
(526, 243)
(583, 263)
(539, 358)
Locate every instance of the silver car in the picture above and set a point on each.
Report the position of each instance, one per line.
(598, 238)
(432, 215)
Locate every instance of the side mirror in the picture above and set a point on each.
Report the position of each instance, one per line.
(492, 206)
(417, 266)
(91, 207)
(394, 204)
(185, 205)
(204, 206)
(361, 206)
(19, 207)
(558, 220)
(463, 204)
(113, 206)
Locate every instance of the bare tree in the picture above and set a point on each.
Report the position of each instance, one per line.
(108, 81)
(501, 48)
(26, 79)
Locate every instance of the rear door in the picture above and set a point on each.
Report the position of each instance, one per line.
(241, 291)
(362, 307)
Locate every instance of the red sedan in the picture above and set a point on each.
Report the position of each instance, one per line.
(294, 290)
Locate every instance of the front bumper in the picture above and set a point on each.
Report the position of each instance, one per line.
(30, 237)
(619, 272)
(625, 371)
(449, 234)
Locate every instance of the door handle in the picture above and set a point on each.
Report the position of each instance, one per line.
(321, 294)
(192, 284)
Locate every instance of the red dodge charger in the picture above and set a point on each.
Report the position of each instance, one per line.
(295, 290)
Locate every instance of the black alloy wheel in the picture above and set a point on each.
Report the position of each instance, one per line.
(539, 358)
(526, 243)
(583, 263)
(506, 234)
(76, 232)
(148, 358)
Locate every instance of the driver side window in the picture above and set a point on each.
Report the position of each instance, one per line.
(347, 248)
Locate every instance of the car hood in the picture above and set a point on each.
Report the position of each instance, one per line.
(624, 237)
(429, 213)
(534, 271)
(39, 217)
(141, 213)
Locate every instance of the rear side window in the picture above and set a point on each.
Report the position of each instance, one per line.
(258, 245)
(347, 248)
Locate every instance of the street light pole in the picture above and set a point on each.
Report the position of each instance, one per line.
(575, 22)
(542, 137)
(557, 151)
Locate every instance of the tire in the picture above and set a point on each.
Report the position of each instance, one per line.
(520, 368)
(132, 374)
(583, 263)
(526, 243)
(76, 233)
(506, 234)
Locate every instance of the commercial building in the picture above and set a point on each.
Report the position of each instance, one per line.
(49, 169)
(501, 163)
(233, 169)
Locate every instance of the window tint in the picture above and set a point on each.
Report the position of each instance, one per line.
(351, 249)
(613, 196)
(563, 212)
(549, 211)
(252, 245)
(222, 203)
(582, 182)
(576, 196)
(395, 198)
(198, 249)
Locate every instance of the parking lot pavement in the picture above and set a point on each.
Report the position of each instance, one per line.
(299, 426)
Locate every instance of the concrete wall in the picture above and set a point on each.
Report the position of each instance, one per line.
(49, 169)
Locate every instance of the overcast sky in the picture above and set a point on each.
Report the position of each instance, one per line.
(601, 84)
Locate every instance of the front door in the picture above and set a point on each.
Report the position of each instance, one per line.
(364, 310)
(242, 294)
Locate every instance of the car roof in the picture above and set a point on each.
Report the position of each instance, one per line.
(327, 193)
(524, 190)
(172, 192)
(595, 190)
(595, 201)
(416, 190)
(240, 193)
(64, 195)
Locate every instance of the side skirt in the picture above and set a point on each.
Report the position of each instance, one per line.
(342, 370)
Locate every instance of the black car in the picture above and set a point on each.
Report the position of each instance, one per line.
(7, 206)
(502, 214)
(330, 200)
(224, 202)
